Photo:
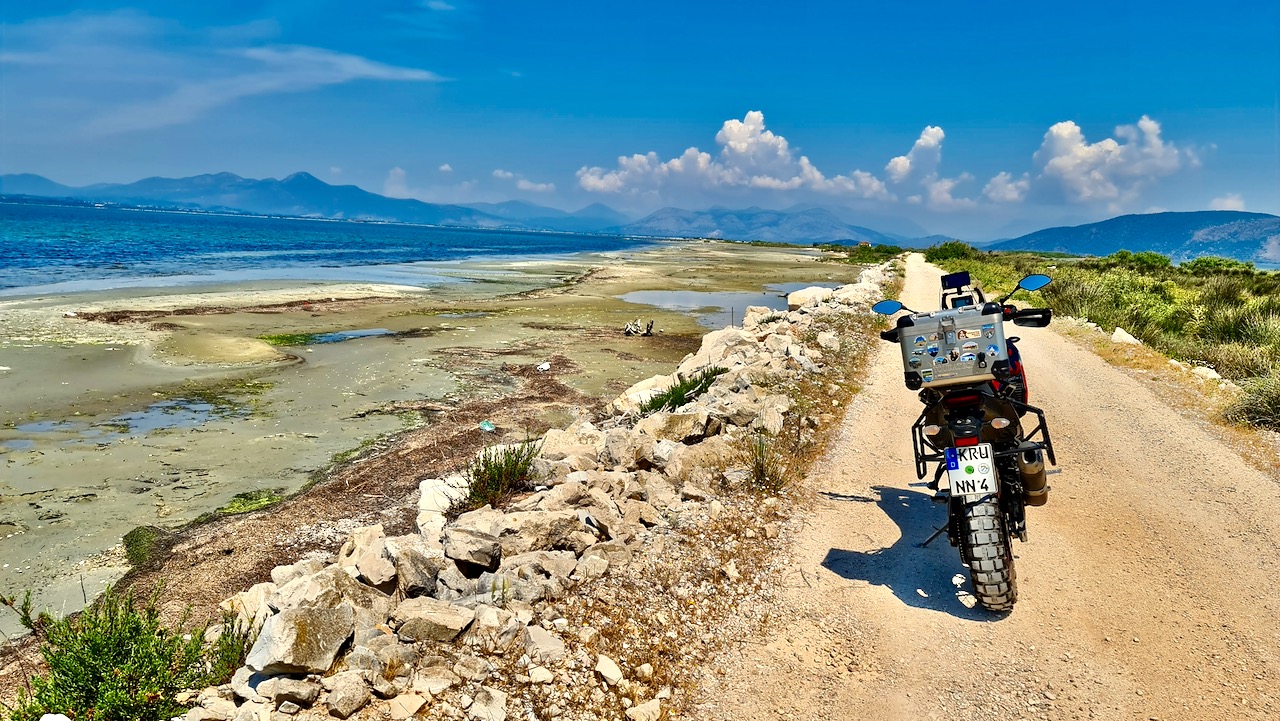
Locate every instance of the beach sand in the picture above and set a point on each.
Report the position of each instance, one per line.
(169, 404)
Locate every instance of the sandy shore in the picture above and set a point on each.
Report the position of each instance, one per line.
(171, 404)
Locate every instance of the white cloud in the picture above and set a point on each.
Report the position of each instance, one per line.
(396, 185)
(922, 159)
(335, 171)
(1004, 189)
(1108, 170)
(125, 71)
(1230, 201)
(290, 69)
(940, 192)
(523, 184)
(751, 157)
(446, 168)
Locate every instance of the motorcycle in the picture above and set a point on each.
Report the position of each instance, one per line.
(973, 425)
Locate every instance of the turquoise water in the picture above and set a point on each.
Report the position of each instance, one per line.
(46, 248)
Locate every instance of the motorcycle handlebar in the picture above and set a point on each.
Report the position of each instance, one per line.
(1029, 317)
(1026, 317)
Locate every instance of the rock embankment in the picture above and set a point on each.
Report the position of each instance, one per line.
(587, 599)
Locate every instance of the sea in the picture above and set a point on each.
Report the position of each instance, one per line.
(69, 248)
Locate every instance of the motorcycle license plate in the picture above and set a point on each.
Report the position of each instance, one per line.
(971, 470)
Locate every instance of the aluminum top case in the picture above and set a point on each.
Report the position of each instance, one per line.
(952, 347)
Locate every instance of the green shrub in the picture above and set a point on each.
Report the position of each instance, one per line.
(864, 253)
(950, 250)
(115, 662)
(682, 391)
(1258, 403)
(1233, 360)
(498, 474)
(766, 464)
(1212, 264)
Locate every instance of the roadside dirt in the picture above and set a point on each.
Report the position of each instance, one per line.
(1148, 587)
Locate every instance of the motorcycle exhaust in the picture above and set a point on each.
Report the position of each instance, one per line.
(1034, 478)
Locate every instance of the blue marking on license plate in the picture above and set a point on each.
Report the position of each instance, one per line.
(953, 461)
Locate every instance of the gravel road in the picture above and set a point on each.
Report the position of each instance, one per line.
(1148, 586)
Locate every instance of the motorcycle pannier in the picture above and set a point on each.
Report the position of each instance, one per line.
(950, 347)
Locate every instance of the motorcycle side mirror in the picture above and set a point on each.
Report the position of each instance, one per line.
(887, 307)
(1034, 282)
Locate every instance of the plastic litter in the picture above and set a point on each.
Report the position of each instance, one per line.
(487, 426)
(544, 367)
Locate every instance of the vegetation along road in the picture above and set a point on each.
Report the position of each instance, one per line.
(1148, 586)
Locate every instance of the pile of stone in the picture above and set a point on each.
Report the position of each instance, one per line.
(455, 620)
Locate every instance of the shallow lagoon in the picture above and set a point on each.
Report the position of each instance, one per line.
(717, 310)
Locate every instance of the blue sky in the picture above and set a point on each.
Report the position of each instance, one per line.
(974, 119)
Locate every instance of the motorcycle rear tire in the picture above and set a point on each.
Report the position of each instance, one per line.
(989, 555)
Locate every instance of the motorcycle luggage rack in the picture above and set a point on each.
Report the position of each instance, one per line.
(1036, 439)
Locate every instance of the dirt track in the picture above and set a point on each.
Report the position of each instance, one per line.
(1148, 587)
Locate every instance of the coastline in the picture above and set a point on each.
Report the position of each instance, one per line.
(463, 348)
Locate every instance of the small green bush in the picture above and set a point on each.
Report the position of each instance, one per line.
(951, 250)
(682, 391)
(115, 662)
(497, 475)
(864, 253)
(766, 464)
(1258, 403)
(1212, 264)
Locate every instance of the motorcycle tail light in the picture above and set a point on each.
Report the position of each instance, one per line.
(967, 399)
(1000, 422)
(970, 441)
(932, 430)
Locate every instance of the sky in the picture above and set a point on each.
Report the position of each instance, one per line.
(978, 120)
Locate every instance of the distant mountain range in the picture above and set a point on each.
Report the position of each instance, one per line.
(810, 225)
(1244, 236)
(1181, 236)
(300, 194)
(304, 195)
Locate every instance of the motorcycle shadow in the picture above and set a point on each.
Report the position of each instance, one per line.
(919, 577)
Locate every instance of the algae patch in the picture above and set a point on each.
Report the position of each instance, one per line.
(252, 501)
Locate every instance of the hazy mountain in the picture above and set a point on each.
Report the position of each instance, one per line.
(302, 194)
(593, 218)
(1229, 233)
(804, 227)
(889, 224)
(29, 184)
